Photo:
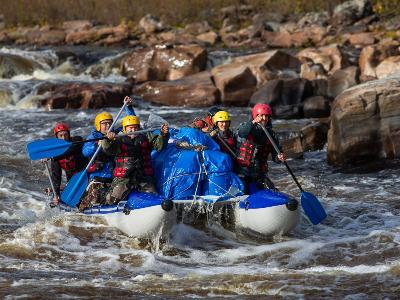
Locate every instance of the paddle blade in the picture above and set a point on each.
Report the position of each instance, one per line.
(75, 188)
(47, 148)
(312, 208)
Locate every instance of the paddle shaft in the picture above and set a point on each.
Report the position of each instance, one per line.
(118, 136)
(226, 146)
(51, 180)
(279, 152)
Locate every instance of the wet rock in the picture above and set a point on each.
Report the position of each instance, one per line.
(77, 25)
(13, 65)
(332, 58)
(5, 97)
(196, 90)
(164, 62)
(351, 11)
(314, 18)
(83, 95)
(151, 24)
(268, 65)
(236, 83)
(50, 37)
(285, 97)
(342, 80)
(292, 147)
(368, 61)
(198, 28)
(362, 39)
(389, 66)
(365, 123)
(81, 37)
(310, 35)
(314, 135)
(176, 37)
(312, 71)
(316, 107)
(210, 38)
(281, 39)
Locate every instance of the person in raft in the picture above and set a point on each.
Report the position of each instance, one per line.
(71, 162)
(223, 135)
(101, 170)
(133, 168)
(254, 147)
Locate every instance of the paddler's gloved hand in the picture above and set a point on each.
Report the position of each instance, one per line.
(111, 136)
(199, 148)
(164, 129)
(213, 133)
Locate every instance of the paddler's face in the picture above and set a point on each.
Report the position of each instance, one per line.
(264, 119)
(105, 125)
(223, 125)
(63, 135)
(132, 128)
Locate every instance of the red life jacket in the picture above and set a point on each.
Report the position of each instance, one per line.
(134, 156)
(251, 154)
(229, 139)
(69, 165)
(99, 162)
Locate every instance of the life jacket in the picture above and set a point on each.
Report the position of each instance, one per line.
(69, 165)
(99, 162)
(134, 157)
(251, 154)
(229, 139)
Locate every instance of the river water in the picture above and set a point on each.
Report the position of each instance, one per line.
(353, 254)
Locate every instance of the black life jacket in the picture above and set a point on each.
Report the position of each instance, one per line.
(229, 139)
(251, 154)
(134, 157)
(69, 165)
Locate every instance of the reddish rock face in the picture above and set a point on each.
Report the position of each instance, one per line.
(365, 123)
(194, 91)
(83, 95)
(389, 66)
(164, 63)
(331, 58)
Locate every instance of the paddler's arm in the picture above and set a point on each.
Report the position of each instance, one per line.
(56, 175)
(244, 129)
(159, 141)
(111, 145)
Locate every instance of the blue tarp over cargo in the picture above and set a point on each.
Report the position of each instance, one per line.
(184, 174)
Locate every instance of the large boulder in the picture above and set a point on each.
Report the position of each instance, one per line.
(351, 11)
(83, 95)
(365, 123)
(285, 96)
(267, 65)
(236, 83)
(389, 66)
(195, 90)
(12, 65)
(164, 62)
(332, 57)
(342, 79)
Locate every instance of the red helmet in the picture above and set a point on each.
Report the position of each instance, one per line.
(60, 127)
(261, 109)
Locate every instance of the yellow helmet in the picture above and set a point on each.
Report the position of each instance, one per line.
(221, 116)
(100, 118)
(129, 120)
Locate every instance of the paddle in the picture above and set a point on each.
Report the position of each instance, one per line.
(311, 205)
(52, 147)
(226, 146)
(51, 183)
